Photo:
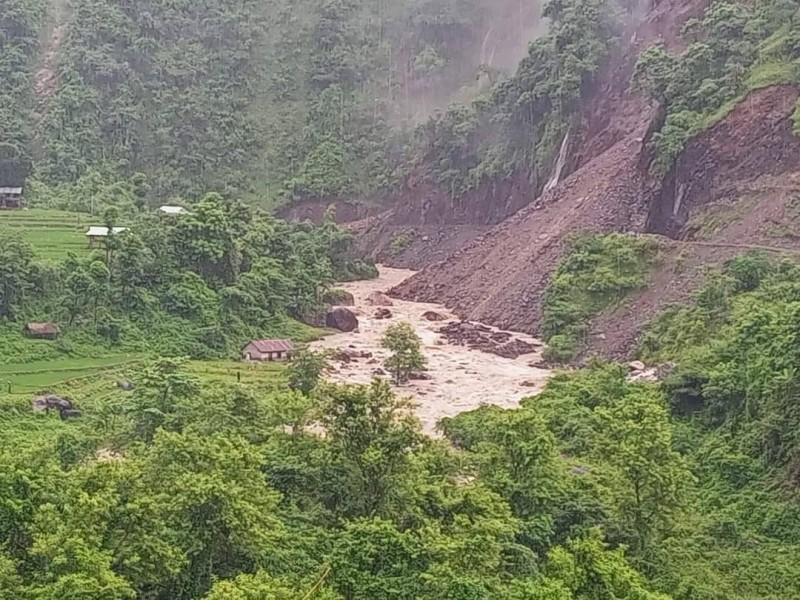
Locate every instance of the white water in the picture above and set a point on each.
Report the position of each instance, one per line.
(461, 379)
(560, 163)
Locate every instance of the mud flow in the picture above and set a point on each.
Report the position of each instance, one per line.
(458, 379)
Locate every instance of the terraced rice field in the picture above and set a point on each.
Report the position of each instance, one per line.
(52, 233)
(92, 384)
(66, 373)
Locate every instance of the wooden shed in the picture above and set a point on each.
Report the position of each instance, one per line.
(267, 350)
(42, 331)
(11, 198)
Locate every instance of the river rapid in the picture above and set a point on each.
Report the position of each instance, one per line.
(461, 379)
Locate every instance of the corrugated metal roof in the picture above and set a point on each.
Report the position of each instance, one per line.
(273, 345)
(173, 210)
(103, 231)
(11, 190)
(43, 328)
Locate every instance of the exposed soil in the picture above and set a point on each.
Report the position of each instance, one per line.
(428, 243)
(753, 140)
(499, 278)
(46, 78)
(612, 116)
(735, 188)
(459, 378)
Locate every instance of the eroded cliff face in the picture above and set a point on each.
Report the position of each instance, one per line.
(755, 139)
(612, 121)
(745, 166)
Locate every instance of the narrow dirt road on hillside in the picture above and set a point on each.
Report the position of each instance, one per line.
(461, 379)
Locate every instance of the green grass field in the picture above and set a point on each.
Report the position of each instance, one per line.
(264, 375)
(52, 233)
(92, 384)
(28, 378)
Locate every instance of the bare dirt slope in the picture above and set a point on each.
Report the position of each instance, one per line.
(441, 224)
(460, 378)
(733, 168)
(500, 277)
(736, 187)
(735, 184)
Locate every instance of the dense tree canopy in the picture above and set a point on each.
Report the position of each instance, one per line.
(200, 284)
(177, 486)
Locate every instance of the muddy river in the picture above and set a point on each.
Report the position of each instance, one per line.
(461, 379)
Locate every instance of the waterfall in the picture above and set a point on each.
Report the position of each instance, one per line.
(484, 47)
(562, 159)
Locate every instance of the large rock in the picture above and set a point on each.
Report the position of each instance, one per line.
(342, 319)
(339, 297)
(382, 313)
(379, 299)
(431, 315)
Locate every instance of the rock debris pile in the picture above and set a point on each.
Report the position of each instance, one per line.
(480, 337)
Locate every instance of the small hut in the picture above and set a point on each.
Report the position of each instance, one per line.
(172, 210)
(42, 331)
(11, 198)
(267, 350)
(100, 234)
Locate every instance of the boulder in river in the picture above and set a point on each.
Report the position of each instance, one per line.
(418, 376)
(339, 297)
(433, 316)
(480, 337)
(383, 313)
(341, 318)
(379, 299)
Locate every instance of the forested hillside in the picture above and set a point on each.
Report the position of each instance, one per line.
(270, 100)
(624, 157)
(198, 286)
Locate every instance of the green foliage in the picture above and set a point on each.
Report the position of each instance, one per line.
(404, 344)
(400, 242)
(200, 285)
(521, 123)
(261, 586)
(733, 49)
(598, 272)
(196, 487)
(18, 273)
(306, 370)
(739, 371)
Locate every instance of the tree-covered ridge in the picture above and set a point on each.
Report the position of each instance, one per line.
(734, 48)
(20, 22)
(201, 284)
(271, 99)
(155, 87)
(520, 123)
